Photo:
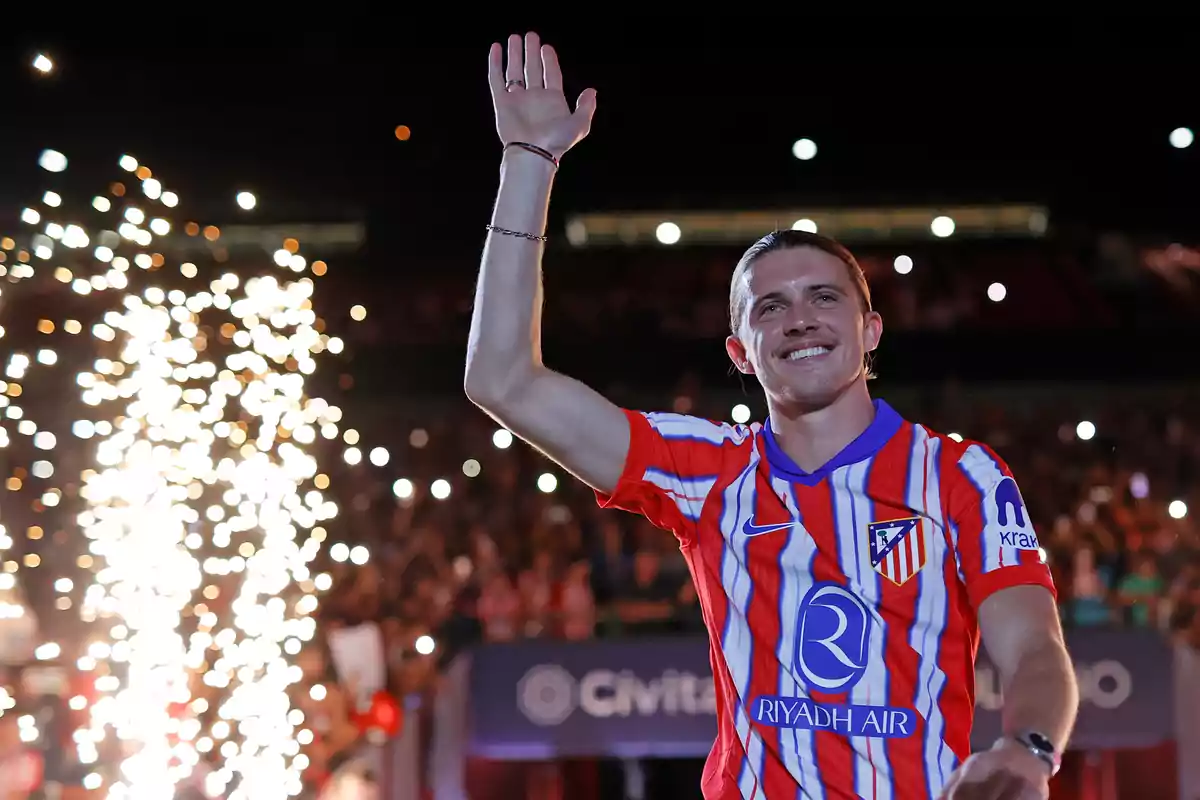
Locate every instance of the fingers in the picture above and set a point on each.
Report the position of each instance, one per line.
(533, 61)
(948, 790)
(496, 71)
(585, 108)
(516, 61)
(553, 73)
(997, 786)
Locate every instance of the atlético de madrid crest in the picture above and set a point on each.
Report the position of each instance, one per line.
(897, 548)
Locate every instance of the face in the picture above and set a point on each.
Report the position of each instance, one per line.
(802, 332)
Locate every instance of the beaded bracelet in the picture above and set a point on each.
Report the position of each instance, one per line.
(533, 237)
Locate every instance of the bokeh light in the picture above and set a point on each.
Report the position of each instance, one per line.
(668, 233)
(804, 149)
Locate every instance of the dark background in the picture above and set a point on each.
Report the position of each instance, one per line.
(694, 111)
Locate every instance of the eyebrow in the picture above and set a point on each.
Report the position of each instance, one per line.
(817, 287)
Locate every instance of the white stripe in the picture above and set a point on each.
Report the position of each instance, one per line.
(924, 492)
(852, 506)
(689, 494)
(682, 426)
(736, 642)
(797, 746)
(983, 471)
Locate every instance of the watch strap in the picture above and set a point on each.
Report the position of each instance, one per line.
(1040, 746)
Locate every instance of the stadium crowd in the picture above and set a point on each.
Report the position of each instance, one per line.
(682, 293)
(506, 546)
(475, 537)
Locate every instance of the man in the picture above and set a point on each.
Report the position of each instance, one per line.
(846, 560)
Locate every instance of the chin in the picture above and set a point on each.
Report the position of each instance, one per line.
(808, 397)
(811, 394)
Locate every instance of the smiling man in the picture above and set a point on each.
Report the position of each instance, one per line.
(847, 561)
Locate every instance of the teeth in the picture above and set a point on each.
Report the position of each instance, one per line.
(796, 355)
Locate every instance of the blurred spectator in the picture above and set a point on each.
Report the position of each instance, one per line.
(20, 765)
(327, 707)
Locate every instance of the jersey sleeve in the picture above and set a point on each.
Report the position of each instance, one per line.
(672, 466)
(997, 544)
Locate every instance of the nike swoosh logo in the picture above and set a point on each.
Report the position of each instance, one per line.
(750, 529)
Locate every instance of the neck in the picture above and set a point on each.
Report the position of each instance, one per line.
(812, 437)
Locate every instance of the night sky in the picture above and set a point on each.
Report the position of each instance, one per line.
(1075, 113)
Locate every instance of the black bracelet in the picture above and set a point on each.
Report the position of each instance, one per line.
(533, 148)
(530, 236)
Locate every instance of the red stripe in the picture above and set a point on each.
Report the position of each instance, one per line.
(762, 617)
(887, 485)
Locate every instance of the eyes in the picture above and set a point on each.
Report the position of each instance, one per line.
(823, 299)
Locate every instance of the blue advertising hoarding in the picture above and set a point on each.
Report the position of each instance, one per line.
(655, 698)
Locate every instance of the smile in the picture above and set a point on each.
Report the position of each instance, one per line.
(808, 352)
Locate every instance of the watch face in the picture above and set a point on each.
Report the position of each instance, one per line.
(1041, 742)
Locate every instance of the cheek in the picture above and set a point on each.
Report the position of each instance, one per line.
(760, 348)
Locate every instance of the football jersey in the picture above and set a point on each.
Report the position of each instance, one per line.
(841, 603)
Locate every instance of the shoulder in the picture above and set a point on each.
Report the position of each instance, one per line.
(967, 462)
(956, 448)
(685, 428)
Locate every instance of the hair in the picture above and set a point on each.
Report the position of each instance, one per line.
(789, 239)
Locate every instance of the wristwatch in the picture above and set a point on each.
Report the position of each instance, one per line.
(1039, 745)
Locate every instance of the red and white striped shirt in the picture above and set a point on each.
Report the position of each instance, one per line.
(840, 604)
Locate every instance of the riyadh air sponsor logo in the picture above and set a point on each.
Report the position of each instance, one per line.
(549, 694)
(833, 640)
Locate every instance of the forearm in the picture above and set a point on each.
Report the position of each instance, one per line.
(1041, 694)
(504, 344)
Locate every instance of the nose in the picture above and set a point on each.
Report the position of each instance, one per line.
(800, 321)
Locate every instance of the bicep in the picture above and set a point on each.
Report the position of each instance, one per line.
(573, 424)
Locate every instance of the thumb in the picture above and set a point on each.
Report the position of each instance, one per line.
(585, 106)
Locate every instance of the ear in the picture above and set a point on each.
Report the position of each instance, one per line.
(872, 331)
(737, 354)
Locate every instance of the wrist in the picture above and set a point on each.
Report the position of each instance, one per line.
(522, 159)
(1041, 761)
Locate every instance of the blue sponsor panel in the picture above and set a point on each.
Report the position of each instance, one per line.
(545, 699)
(1126, 691)
(655, 697)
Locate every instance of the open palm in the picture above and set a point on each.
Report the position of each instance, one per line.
(529, 100)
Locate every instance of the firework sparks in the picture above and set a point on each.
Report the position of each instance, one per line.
(202, 505)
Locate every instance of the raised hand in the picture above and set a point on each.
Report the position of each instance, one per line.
(528, 97)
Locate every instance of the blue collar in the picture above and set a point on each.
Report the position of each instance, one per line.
(886, 424)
